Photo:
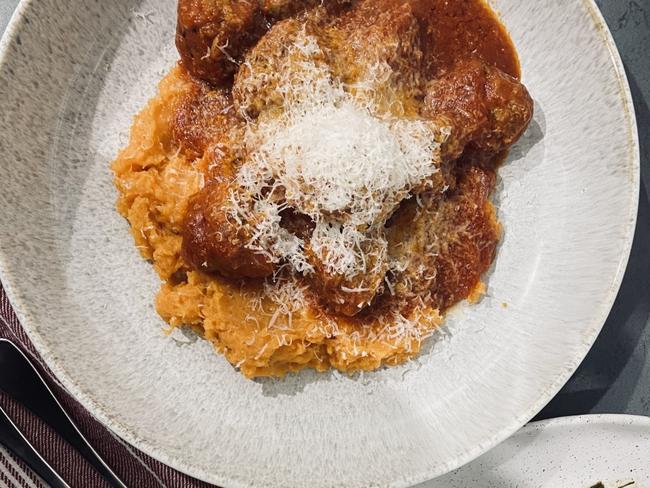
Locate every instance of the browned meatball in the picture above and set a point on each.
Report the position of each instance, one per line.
(487, 109)
(201, 117)
(213, 242)
(377, 51)
(378, 44)
(281, 9)
(469, 222)
(212, 35)
(349, 295)
(256, 84)
(445, 245)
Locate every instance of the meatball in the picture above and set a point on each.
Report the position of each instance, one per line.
(348, 293)
(446, 245)
(269, 63)
(213, 35)
(281, 9)
(201, 117)
(378, 49)
(376, 52)
(486, 109)
(213, 242)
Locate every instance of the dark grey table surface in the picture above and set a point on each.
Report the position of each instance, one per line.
(615, 376)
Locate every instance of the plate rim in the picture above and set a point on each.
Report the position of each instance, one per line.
(128, 434)
(557, 429)
(587, 419)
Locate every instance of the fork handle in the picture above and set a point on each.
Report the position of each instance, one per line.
(28, 387)
(16, 442)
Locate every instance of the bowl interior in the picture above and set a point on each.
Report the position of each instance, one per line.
(72, 77)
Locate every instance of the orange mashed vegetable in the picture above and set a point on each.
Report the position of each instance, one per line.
(257, 334)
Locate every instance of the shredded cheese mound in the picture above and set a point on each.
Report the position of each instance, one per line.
(328, 154)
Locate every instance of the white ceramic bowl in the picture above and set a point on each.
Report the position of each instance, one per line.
(73, 73)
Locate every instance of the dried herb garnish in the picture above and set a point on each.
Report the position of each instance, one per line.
(600, 485)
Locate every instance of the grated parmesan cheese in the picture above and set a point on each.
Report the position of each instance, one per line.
(328, 154)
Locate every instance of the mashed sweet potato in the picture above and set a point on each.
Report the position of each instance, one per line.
(263, 330)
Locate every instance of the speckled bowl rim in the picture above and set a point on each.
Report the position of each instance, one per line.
(591, 332)
(592, 419)
(558, 428)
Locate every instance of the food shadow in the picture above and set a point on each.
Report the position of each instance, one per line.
(293, 383)
(518, 155)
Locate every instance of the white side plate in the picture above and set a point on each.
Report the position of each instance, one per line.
(572, 452)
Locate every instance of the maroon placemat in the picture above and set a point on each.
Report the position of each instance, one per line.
(135, 468)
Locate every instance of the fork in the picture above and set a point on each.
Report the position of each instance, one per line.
(16, 442)
(21, 380)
